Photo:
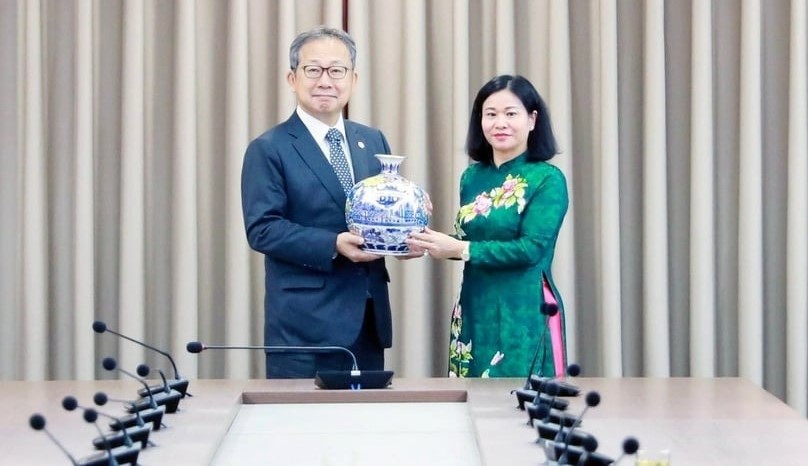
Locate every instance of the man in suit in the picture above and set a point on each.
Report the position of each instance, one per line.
(321, 287)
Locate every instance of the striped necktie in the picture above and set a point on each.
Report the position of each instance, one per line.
(338, 159)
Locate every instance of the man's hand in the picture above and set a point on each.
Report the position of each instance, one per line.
(348, 244)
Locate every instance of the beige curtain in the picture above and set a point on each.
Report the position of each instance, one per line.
(682, 124)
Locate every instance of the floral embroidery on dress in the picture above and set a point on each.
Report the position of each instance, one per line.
(494, 361)
(459, 352)
(511, 192)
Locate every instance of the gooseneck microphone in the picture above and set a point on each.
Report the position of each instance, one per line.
(564, 388)
(589, 445)
(527, 393)
(549, 310)
(353, 379)
(630, 447)
(137, 418)
(544, 410)
(125, 436)
(91, 416)
(197, 347)
(556, 433)
(575, 454)
(153, 400)
(37, 422)
(178, 383)
(592, 400)
(111, 364)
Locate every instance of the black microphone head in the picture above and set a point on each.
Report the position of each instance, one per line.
(592, 399)
(37, 421)
(194, 347)
(574, 370)
(551, 388)
(630, 445)
(90, 415)
(143, 370)
(542, 410)
(109, 364)
(100, 399)
(590, 444)
(549, 309)
(99, 327)
(69, 403)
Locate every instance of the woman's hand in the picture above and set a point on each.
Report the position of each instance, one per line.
(436, 244)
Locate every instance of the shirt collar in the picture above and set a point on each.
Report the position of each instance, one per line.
(317, 128)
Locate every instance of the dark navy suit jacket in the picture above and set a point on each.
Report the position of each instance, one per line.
(294, 207)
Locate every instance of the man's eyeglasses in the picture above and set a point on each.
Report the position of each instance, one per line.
(334, 72)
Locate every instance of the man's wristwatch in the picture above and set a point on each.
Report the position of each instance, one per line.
(465, 254)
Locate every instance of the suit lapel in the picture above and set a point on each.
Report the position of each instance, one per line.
(308, 149)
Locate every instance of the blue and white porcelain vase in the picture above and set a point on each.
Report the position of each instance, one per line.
(386, 208)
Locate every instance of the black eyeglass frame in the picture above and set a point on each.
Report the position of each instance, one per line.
(334, 72)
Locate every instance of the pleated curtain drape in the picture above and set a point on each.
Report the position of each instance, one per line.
(682, 127)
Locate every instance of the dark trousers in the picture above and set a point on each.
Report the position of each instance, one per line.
(367, 349)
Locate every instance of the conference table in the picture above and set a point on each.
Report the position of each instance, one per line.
(701, 421)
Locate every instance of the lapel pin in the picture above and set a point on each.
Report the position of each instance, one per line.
(361, 144)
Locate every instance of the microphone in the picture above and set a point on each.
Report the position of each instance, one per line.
(178, 383)
(330, 380)
(630, 447)
(592, 400)
(547, 392)
(550, 432)
(565, 388)
(549, 310)
(526, 393)
(551, 390)
(545, 413)
(91, 416)
(589, 445)
(552, 416)
(37, 422)
(116, 456)
(574, 455)
(555, 403)
(554, 433)
(138, 418)
(170, 400)
(124, 437)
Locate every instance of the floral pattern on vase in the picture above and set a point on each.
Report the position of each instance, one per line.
(384, 209)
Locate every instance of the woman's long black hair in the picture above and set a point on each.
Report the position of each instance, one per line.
(541, 144)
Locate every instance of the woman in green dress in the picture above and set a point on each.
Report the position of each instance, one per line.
(512, 205)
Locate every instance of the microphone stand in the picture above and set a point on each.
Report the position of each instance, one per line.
(592, 400)
(91, 416)
(170, 400)
(326, 379)
(529, 392)
(179, 383)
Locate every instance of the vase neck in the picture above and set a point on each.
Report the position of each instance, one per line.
(390, 163)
